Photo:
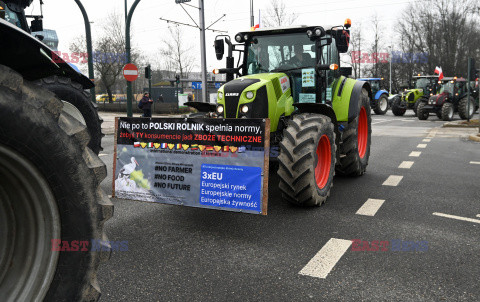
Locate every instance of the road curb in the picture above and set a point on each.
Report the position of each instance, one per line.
(458, 124)
(475, 138)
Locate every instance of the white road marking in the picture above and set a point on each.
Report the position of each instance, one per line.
(407, 120)
(392, 180)
(380, 122)
(415, 153)
(102, 154)
(478, 215)
(427, 140)
(475, 162)
(323, 262)
(370, 207)
(422, 146)
(457, 217)
(406, 165)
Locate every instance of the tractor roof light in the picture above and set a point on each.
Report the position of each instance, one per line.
(319, 32)
(239, 38)
(333, 66)
(245, 37)
(418, 74)
(348, 23)
(454, 78)
(216, 71)
(309, 33)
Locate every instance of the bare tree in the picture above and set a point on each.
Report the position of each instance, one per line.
(178, 57)
(277, 15)
(354, 52)
(109, 53)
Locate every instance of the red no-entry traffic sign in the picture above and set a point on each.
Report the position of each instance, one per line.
(130, 72)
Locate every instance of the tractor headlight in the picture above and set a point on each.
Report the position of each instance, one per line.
(219, 109)
(220, 95)
(309, 33)
(249, 95)
(244, 109)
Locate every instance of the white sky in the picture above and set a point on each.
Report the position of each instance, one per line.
(65, 17)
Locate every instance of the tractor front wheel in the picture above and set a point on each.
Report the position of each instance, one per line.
(447, 111)
(397, 109)
(307, 159)
(354, 150)
(381, 105)
(422, 114)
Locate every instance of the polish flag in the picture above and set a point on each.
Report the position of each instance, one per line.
(438, 70)
(136, 144)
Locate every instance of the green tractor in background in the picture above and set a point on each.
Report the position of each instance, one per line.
(425, 86)
(319, 119)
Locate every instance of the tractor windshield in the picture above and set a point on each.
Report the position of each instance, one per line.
(280, 53)
(9, 15)
(421, 83)
(375, 86)
(448, 87)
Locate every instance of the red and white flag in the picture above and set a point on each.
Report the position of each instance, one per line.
(438, 70)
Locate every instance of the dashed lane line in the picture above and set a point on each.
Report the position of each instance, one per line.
(475, 162)
(380, 122)
(324, 261)
(406, 165)
(102, 154)
(415, 154)
(422, 146)
(370, 207)
(427, 140)
(457, 217)
(392, 180)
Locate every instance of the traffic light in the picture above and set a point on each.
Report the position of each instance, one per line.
(473, 72)
(148, 72)
(177, 79)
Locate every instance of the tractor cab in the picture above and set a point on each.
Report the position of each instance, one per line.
(13, 11)
(428, 84)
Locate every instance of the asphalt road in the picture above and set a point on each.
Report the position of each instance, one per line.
(188, 254)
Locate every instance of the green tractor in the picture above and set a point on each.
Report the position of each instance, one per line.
(425, 86)
(51, 203)
(319, 119)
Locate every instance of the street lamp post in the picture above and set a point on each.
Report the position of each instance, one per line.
(88, 37)
(127, 50)
(390, 87)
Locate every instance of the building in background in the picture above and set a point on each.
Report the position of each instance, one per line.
(50, 38)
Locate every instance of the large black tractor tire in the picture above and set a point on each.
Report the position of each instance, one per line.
(439, 114)
(307, 159)
(447, 111)
(79, 105)
(396, 109)
(49, 191)
(354, 149)
(422, 114)
(381, 105)
(463, 108)
(415, 106)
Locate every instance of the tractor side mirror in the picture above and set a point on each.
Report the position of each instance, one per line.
(219, 48)
(342, 39)
(346, 71)
(36, 25)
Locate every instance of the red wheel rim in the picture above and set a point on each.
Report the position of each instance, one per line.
(362, 134)
(324, 160)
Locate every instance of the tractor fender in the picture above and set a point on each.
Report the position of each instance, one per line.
(355, 98)
(201, 106)
(379, 94)
(317, 108)
(32, 59)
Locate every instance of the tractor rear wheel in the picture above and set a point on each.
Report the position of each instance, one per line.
(77, 103)
(447, 111)
(439, 114)
(381, 105)
(422, 114)
(354, 150)
(50, 198)
(396, 107)
(464, 111)
(307, 159)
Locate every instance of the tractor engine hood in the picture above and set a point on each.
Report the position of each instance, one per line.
(438, 99)
(253, 96)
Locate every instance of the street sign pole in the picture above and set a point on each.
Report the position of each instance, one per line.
(469, 76)
(127, 50)
(203, 50)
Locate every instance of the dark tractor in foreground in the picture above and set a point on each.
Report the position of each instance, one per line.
(452, 98)
(379, 102)
(424, 87)
(319, 119)
(51, 203)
